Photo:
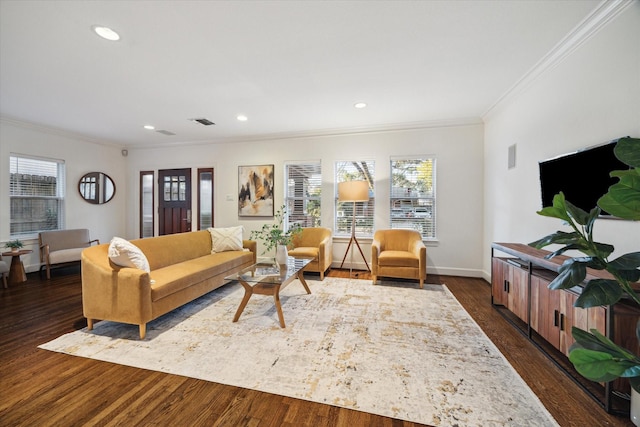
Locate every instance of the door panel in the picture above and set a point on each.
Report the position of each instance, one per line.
(174, 201)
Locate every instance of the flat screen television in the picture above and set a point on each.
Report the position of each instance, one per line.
(583, 176)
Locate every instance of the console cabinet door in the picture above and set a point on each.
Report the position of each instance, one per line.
(518, 299)
(499, 277)
(545, 310)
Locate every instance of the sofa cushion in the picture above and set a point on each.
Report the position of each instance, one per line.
(304, 251)
(124, 253)
(177, 277)
(226, 239)
(398, 259)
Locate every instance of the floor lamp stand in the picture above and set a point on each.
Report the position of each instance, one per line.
(352, 240)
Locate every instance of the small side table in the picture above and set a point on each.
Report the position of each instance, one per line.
(16, 270)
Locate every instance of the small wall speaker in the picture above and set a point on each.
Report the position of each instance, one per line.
(125, 152)
(512, 156)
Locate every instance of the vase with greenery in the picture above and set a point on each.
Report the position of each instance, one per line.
(594, 355)
(14, 245)
(274, 235)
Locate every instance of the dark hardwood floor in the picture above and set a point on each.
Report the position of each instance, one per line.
(42, 388)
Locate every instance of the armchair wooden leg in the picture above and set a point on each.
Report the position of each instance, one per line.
(375, 279)
(421, 283)
(90, 324)
(143, 330)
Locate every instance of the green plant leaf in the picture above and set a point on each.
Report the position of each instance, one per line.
(558, 209)
(627, 150)
(595, 365)
(572, 273)
(623, 198)
(579, 216)
(559, 237)
(599, 292)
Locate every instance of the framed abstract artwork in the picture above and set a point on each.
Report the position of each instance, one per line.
(255, 190)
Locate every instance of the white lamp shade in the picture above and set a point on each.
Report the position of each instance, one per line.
(353, 191)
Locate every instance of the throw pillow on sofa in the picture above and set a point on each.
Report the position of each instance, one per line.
(226, 239)
(126, 254)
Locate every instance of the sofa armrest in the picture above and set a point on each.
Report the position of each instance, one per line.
(111, 292)
(252, 245)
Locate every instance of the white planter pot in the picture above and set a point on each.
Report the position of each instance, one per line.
(281, 254)
(635, 408)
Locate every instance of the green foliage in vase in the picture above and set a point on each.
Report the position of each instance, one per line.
(14, 244)
(593, 355)
(274, 234)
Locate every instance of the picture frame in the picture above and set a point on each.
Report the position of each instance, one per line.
(255, 191)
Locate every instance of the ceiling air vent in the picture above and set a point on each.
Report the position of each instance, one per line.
(165, 132)
(203, 121)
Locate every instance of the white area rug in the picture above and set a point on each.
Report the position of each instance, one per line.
(393, 350)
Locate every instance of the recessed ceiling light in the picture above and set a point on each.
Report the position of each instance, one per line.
(242, 118)
(106, 33)
(149, 127)
(360, 104)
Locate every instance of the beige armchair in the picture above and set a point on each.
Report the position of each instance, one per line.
(316, 243)
(398, 253)
(62, 247)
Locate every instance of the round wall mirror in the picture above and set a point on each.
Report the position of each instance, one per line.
(96, 188)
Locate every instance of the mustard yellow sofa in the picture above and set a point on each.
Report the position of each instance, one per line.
(316, 243)
(182, 268)
(398, 253)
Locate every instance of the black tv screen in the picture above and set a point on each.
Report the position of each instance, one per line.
(583, 176)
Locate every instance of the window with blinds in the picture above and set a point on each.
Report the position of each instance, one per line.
(413, 200)
(303, 194)
(36, 195)
(354, 214)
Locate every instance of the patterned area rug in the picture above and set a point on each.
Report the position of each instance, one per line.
(392, 349)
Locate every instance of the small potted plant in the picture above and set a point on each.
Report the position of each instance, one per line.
(14, 245)
(274, 236)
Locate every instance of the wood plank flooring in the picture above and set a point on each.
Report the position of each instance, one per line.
(43, 388)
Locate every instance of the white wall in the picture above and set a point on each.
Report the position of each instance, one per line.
(80, 156)
(591, 97)
(458, 150)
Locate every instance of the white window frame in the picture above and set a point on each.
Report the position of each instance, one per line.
(354, 170)
(20, 164)
(412, 200)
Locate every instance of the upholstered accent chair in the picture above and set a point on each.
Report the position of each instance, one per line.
(62, 247)
(398, 253)
(4, 270)
(316, 243)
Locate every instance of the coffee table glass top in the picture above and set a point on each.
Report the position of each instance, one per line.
(266, 270)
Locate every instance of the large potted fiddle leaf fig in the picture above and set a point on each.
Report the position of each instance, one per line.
(593, 355)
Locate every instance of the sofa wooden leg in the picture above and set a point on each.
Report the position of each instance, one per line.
(90, 324)
(48, 272)
(143, 330)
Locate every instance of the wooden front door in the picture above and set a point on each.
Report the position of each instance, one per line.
(174, 206)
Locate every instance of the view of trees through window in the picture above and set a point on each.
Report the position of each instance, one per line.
(364, 211)
(303, 194)
(413, 195)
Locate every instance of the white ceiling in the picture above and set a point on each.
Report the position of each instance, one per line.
(293, 67)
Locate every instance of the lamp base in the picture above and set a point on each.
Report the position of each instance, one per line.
(351, 241)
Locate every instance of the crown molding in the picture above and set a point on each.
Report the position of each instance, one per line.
(56, 131)
(324, 133)
(606, 11)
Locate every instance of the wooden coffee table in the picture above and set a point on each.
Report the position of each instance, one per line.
(267, 278)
